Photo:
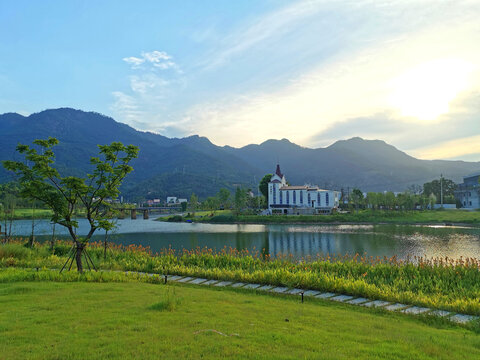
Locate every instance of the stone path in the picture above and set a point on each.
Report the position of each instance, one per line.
(347, 299)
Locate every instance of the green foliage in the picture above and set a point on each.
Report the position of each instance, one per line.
(193, 203)
(263, 186)
(39, 180)
(240, 199)
(438, 283)
(175, 218)
(224, 198)
(434, 187)
(184, 206)
(356, 198)
(222, 219)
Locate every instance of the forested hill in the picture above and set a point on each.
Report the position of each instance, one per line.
(179, 166)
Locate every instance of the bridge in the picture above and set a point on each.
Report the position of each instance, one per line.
(146, 211)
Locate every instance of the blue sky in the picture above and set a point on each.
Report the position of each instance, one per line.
(242, 72)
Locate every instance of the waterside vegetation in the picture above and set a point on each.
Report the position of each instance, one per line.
(436, 283)
(367, 216)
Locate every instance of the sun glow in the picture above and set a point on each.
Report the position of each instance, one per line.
(425, 91)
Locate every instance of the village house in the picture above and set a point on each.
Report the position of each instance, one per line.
(468, 193)
(299, 200)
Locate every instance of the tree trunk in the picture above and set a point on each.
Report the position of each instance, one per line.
(31, 241)
(78, 256)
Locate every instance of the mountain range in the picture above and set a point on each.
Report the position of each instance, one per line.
(180, 166)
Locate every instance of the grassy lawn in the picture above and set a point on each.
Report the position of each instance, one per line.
(49, 320)
(28, 213)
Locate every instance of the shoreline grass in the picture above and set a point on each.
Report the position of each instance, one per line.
(362, 217)
(437, 283)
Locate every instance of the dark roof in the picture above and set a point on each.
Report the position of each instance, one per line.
(278, 172)
(294, 187)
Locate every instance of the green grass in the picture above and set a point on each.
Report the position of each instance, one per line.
(25, 213)
(363, 216)
(436, 283)
(51, 320)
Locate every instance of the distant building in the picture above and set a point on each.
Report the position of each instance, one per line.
(173, 200)
(468, 193)
(298, 200)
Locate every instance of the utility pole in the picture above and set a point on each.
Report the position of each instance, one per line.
(441, 190)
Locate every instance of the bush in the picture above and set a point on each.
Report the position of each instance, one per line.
(222, 219)
(17, 251)
(175, 218)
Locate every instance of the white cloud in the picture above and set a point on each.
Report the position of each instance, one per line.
(342, 60)
(261, 29)
(134, 61)
(152, 60)
(355, 83)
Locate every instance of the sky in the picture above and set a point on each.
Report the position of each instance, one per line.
(241, 72)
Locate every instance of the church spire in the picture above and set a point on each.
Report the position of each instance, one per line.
(278, 172)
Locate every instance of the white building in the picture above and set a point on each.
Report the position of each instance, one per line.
(468, 193)
(297, 200)
(173, 200)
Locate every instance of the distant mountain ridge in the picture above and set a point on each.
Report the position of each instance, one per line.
(179, 166)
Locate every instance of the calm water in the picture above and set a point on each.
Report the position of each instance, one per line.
(298, 240)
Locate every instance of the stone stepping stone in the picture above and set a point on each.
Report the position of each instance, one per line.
(185, 280)
(279, 290)
(295, 291)
(341, 298)
(223, 283)
(252, 286)
(210, 282)
(174, 278)
(198, 281)
(416, 310)
(357, 301)
(462, 318)
(440, 313)
(325, 295)
(311, 293)
(265, 288)
(396, 307)
(376, 303)
(238, 285)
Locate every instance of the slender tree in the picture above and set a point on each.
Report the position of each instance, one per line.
(224, 197)
(263, 186)
(193, 203)
(39, 180)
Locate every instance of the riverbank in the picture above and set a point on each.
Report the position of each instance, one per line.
(443, 284)
(446, 217)
(27, 214)
(137, 320)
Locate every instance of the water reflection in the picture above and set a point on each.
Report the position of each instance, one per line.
(298, 240)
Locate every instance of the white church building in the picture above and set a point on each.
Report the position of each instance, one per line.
(299, 200)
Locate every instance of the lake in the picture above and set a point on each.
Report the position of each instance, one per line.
(298, 240)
